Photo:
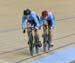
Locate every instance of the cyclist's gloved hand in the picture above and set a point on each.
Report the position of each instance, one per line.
(37, 27)
(40, 26)
(52, 27)
(24, 31)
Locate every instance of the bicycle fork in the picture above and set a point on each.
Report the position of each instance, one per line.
(46, 39)
(32, 42)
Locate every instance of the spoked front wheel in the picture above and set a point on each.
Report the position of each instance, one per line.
(45, 43)
(31, 48)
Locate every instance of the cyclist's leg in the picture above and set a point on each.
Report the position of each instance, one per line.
(37, 49)
(36, 37)
(36, 40)
(44, 45)
(36, 34)
(49, 36)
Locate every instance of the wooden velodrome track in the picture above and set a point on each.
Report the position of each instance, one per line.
(13, 43)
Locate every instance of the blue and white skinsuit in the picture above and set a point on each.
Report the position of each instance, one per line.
(50, 19)
(32, 19)
(51, 22)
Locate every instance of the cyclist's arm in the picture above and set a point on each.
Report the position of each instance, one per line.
(41, 21)
(24, 21)
(53, 20)
(36, 20)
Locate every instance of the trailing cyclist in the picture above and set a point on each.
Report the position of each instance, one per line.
(49, 19)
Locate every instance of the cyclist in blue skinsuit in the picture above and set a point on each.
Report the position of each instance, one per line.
(49, 17)
(30, 18)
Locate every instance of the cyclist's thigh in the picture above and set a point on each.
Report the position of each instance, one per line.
(49, 23)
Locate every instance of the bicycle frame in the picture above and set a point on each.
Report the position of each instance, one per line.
(32, 40)
(46, 37)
